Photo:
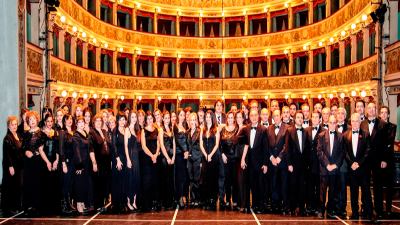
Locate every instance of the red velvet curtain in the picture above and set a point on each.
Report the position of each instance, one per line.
(125, 55)
(79, 43)
(68, 37)
(145, 57)
(318, 51)
(233, 60)
(107, 52)
(275, 57)
(189, 19)
(317, 2)
(145, 14)
(167, 59)
(299, 54)
(258, 59)
(125, 9)
(236, 18)
(279, 13)
(299, 8)
(189, 60)
(107, 3)
(258, 16)
(166, 17)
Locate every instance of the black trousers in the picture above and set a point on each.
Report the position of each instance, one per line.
(194, 171)
(243, 186)
(167, 183)
(297, 188)
(149, 181)
(32, 181)
(342, 195)
(362, 180)
(180, 175)
(329, 185)
(209, 179)
(221, 178)
(102, 181)
(256, 183)
(380, 178)
(231, 185)
(279, 187)
(313, 191)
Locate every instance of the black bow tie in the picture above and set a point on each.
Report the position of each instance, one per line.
(371, 121)
(299, 129)
(315, 128)
(332, 132)
(253, 128)
(305, 122)
(325, 125)
(355, 131)
(277, 127)
(340, 125)
(266, 124)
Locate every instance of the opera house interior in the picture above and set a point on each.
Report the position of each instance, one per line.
(124, 57)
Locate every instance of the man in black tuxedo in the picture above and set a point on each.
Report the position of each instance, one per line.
(342, 127)
(326, 112)
(277, 140)
(356, 145)
(330, 155)
(264, 117)
(256, 151)
(298, 163)
(379, 154)
(360, 108)
(313, 179)
(286, 116)
(305, 109)
(384, 114)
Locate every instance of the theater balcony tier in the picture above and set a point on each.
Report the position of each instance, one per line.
(347, 80)
(346, 22)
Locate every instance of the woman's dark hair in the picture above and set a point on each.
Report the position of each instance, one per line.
(147, 115)
(64, 120)
(213, 128)
(120, 116)
(166, 112)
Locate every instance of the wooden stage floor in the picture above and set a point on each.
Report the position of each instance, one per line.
(189, 217)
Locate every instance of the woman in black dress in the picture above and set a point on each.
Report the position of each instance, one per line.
(167, 144)
(194, 160)
(51, 180)
(59, 116)
(118, 158)
(132, 142)
(230, 160)
(83, 159)
(66, 155)
(87, 115)
(148, 164)
(181, 156)
(33, 142)
(23, 126)
(243, 199)
(12, 169)
(102, 179)
(141, 115)
(209, 143)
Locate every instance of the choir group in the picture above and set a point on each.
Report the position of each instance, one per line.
(278, 160)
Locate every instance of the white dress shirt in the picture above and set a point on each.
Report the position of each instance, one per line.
(277, 129)
(300, 137)
(219, 119)
(371, 127)
(252, 135)
(307, 124)
(331, 139)
(340, 127)
(314, 132)
(354, 141)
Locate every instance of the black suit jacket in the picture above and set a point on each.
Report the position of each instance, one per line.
(391, 136)
(378, 141)
(312, 146)
(298, 159)
(258, 155)
(362, 150)
(223, 117)
(324, 152)
(278, 144)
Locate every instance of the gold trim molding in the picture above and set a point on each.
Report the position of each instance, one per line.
(354, 77)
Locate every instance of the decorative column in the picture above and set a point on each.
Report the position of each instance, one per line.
(269, 22)
(134, 60)
(290, 17)
(98, 5)
(85, 54)
(223, 27)
(328, 57)
(353, 48)
(115, 105)
(98, 102)
(178, 21)
(98, 61)
(341, 53)
(201, 68)
(328, 102)
(365, 42)
(310, 61)
(114, 62)
(246, 24)
(156, 103)
(310, 12)
(73, 50)
(201, 27)
(290, 59)
(61, 48)
(114, 14)
(177, 69)
(328, 8)
(311, 103)
(85, 4)
(156, 22)
(246, 67)
(155, 66)
(269, 66)
(134, 107)
(134, 19)
(341, 3)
